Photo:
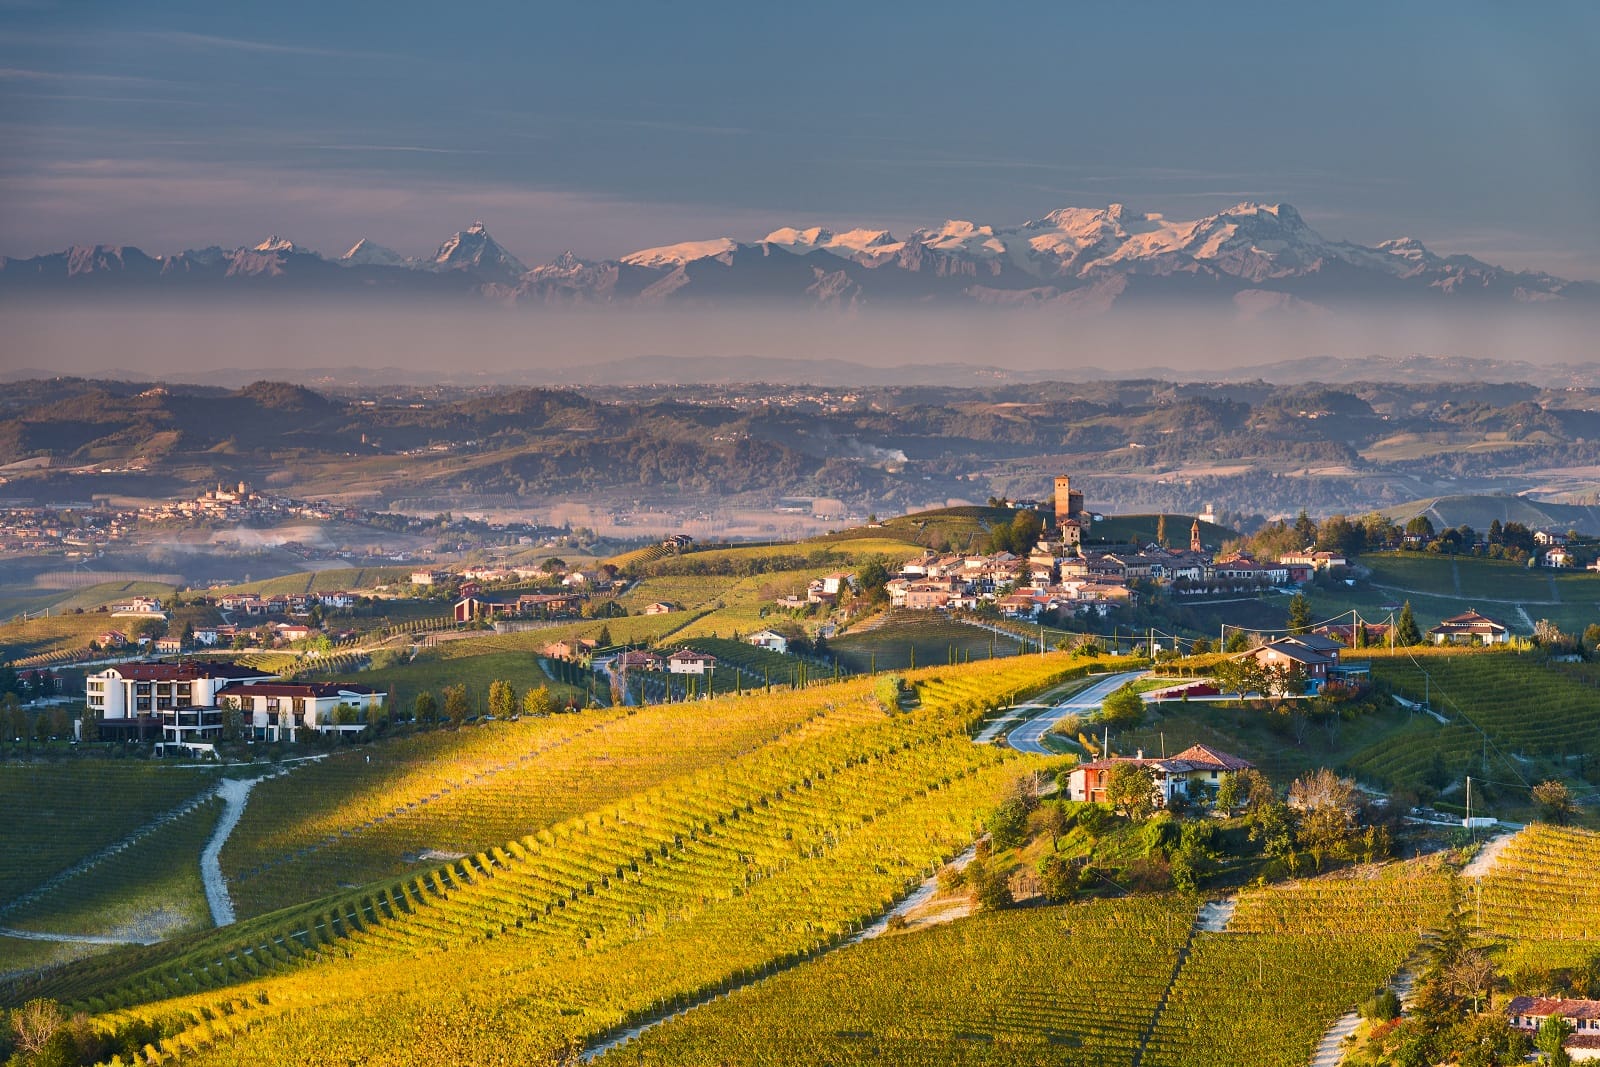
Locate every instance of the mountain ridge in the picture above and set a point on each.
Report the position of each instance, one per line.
(1253, 258)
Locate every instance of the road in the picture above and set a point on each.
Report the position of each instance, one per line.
(1026, 738)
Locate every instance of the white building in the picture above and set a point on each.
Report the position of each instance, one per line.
(770, 640)
(277, 711)
(688, 661)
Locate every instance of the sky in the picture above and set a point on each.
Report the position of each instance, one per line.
(609, 127)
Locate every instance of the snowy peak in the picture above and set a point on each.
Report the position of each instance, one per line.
(281, 244)
(679, 254)
(859, 242)
(474, 251)
(368, 253)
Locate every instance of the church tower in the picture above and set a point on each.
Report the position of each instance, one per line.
(1194, 537)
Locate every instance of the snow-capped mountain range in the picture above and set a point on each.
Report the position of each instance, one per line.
(1258, 257)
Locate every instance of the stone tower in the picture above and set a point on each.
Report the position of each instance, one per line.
(1194, 537)
(1069, 501)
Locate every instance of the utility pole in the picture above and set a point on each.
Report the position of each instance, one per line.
(1470, 831)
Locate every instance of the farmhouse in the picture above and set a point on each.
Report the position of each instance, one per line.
(169, 646)
(574, 648)
(1529, 1013)
(770, 640)
(688, 661)
(1558, 557)
(1470, 628)
(640, 660)
(659, 608)
(1179, 775)
(1314, 655)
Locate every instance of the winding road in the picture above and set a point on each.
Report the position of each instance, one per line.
(1028, 736)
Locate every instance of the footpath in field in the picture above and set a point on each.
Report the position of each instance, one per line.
(235, 793)
(1330, 1052)
(914, 900)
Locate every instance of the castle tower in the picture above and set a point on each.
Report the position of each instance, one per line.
(1194, 537)
(1069, 501)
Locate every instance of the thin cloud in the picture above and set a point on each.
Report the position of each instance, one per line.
(24, 74)
(210, 42)
(427, 149)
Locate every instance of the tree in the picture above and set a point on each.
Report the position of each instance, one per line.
(603, 638)
(456, 705)
(35, 1024)
(536, 701)
(1405, 630)
(1123, 708)
(1130, 790)
(1555, 801)
(1305, 529)
(1248, 789)
(1161, 529)
(990, 889)
(1551, 1039)
(1058, 879)
(1200, 647)
(1238, 641)
(1327, 809)
(1299, 614)
(426, 708)
(1053, 821)
(502, 699)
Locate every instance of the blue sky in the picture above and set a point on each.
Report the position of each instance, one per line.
(1475, 127)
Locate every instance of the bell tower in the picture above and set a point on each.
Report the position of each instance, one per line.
(1194, 537)
(1069, 501)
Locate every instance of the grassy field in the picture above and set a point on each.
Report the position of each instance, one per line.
(920, 639)
(433, 670)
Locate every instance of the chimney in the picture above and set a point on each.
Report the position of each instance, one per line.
(1141, 753)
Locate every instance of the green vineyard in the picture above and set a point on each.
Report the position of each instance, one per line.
(1541, 899)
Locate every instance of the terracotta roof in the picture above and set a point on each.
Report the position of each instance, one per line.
(186, 672)
(1542, 1006)
(1211, 757)
(297, 689)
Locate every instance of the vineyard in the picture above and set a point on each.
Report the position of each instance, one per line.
(76, 809)
(1501, 704)
(917, 639)
(369, 813)
(987, 990)
(1541, 899)
(1292, 960)
(678, 889)
(147, 891)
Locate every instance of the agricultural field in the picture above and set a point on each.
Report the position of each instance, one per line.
(1540, 902)
(77, 808)
(984, 990)
(1441, 586)
(918, 639)
(336, 580)
(677, 890)
(1530, 720)
(373, 812)
(148, 891)
(1292, 960)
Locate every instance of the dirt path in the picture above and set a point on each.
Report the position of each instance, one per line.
(1487, 857)
(918, 898)
(1330, 1053)
(235, 793)
(76, 939)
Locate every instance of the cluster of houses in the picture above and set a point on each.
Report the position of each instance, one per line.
(825, 590)
(85, 532)
(186, 704)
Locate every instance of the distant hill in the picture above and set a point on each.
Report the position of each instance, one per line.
(1479, 511)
